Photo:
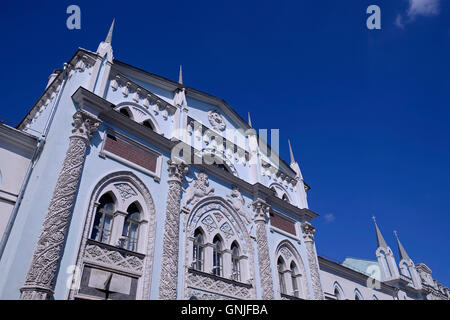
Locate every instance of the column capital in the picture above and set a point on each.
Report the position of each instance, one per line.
(177, 170)
(308, 231)
(261, 209)
(84, 124)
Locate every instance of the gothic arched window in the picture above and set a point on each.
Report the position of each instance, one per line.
(217, 256)
(294, 272)
(281, 267)
(131, 228)
(385, 263)
(235, 263)
(285, 197)
(101, 231)
(337, 293)
(197, 252)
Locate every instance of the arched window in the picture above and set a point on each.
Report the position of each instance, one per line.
(285, 197)
(197, 252)
(405, 270)
(337, 293)
(101, 230)
(217, 256)
(385, 264)
(148, 124)
(125, 112)
(358, 295)
(235, 263)
(130, 228)
(294, 272)
(281, 267)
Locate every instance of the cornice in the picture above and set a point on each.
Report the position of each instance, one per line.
(19, 138)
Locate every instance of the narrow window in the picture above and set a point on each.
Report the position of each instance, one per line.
(197, 252)
(217, 256)
(280, 265)
(294, 279)
(101, 230)
(130, 228)
(235, 264)
(337, 294)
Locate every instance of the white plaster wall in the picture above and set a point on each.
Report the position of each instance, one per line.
(348, 286)
(14, 162)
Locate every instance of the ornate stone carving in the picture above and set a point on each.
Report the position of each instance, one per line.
(210, 224)
(41, 276)
(225, 288)
(225, 228)
(125, 191)
(84, 124)
(308, 236)
(238, 202)
(286, 253)
(261, 210)
(216, 120)
(113, 259)
(198, 190)
(169, 273)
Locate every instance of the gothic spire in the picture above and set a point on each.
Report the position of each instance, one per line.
(110, 32)
(380, 240)
(180, 76)
(401, 250)
(250, 120)
(290, 152)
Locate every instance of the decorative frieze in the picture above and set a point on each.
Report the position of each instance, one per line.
(41, 276)
(140, 95)
(113, 258)
(276, 175)
(217, 287)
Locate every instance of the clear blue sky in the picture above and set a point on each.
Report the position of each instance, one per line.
(367, 111)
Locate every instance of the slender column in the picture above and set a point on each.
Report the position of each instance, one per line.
(169, 273)
(40, 280)
(261, 210)
(308, 237)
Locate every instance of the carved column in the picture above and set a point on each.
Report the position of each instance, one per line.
(308, 237)
(261, 210)
(169, 273)
(40, 280)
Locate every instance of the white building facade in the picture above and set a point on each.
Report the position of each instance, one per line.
(134, 186)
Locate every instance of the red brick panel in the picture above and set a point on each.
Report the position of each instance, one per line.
(130, 152)
(282, 223)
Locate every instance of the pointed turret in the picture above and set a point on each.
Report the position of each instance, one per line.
(250, 120)
(104, 48)
(385, 257)
(291, 153)
(381, 243)
(180, 76)
(110, 32)
(401, 249)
